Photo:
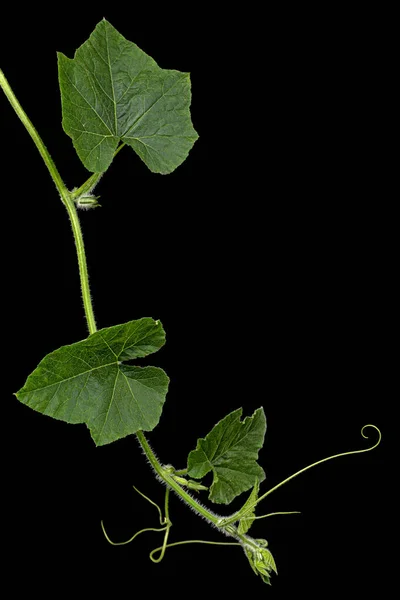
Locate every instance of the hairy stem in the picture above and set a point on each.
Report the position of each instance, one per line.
(83, 270)
(65, 196)
(55, 175)
(168, 479)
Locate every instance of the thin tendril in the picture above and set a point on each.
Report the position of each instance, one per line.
(132, 538)
(167, 528)
(292, 512)
(324, 460)
(162, 519)
(163, 547)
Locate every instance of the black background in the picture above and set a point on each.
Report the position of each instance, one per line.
(269, 258)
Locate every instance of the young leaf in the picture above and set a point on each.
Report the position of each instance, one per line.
(230, 451)
(260, 558)
(87, 383)
(247, 511)
(112, 91)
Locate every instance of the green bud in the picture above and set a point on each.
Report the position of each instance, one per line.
(194, 485)
(260, 558)
(180, 480)
(87, 201)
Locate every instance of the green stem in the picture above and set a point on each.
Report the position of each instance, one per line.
(55, 175)
(83, 270)
(168, 479)
(65, 196)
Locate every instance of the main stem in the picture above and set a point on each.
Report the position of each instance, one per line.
(68, 198)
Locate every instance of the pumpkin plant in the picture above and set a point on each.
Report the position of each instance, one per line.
(114, 95)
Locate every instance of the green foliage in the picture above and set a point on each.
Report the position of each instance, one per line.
(230, 451)
(87, 382)
(112, 91)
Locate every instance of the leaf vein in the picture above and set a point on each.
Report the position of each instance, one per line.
(164, 92)
(136, 402)
(112, 85)
(67, 378)
(133, 79)
(110, 404)
(88, 103)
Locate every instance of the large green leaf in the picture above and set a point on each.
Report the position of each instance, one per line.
(230, 451)
(87, 382)
(112, 91)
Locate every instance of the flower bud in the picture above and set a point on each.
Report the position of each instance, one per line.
(194, 485)
(87, 201)
(180, 480)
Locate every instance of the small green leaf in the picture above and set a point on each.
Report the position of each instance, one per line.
(260, 558)
(112, 91)
(230, 451)
(87, 383)
(248, 509)
(267, 561)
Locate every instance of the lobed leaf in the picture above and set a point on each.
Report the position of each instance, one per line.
(230, 451)
(87, 382)
(112, 91)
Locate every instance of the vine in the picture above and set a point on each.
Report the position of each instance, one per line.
(114, 95)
